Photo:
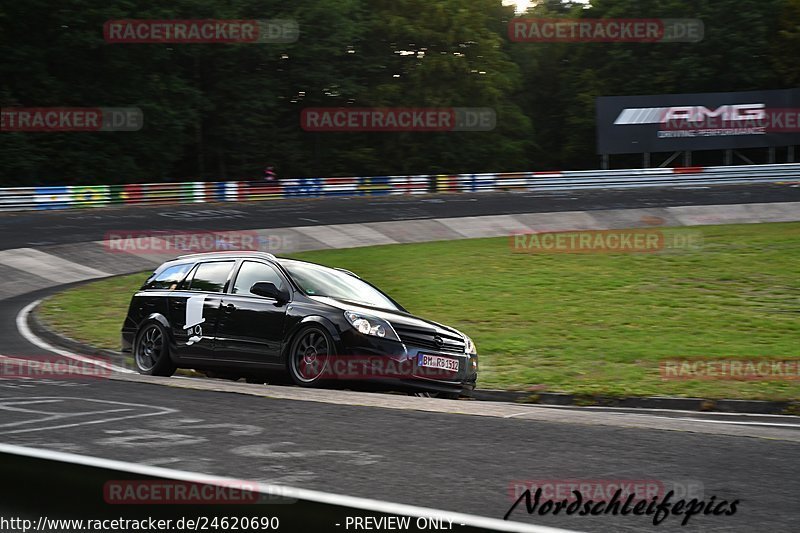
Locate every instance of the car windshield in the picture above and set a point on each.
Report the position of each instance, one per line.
(317, 280)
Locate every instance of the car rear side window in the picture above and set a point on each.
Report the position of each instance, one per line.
(251, 272)
(211, 277)
(169, 278)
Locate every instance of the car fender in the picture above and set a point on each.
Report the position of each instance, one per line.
(325, 323)
(161, 319)
(157, 317)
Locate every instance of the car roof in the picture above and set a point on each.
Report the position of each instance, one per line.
(251, 254)
(226, 254)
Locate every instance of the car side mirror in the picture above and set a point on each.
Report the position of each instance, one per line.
(269, 290)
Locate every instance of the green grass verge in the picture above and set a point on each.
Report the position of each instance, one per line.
(586, 324)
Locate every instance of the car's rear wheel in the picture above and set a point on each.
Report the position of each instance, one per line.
(309, 356)
(151, 351)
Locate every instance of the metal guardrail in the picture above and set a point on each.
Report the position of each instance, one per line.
(68, 197)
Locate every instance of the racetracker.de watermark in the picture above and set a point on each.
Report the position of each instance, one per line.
(70, 119)
(163, 242)
(611, 30)
(54, 367)
(740, 369)
(606, 241)
(176, 492)
(754, 117)
(208, 31)
(440, 119)
(604, 489)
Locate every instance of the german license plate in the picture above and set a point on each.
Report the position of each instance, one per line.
(436, 361)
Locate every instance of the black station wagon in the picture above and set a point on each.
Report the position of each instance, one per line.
(255, 316)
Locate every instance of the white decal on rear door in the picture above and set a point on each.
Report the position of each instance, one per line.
(194, 317)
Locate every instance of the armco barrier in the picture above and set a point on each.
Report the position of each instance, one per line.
(68, 197)
(44, 487)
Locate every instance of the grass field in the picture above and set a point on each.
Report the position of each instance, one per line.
(580, 323)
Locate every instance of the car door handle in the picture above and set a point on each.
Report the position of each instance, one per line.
(229, 307)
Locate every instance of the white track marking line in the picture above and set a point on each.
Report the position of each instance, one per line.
(25, 331)
(365, 504)
(78, 424)
(611, 410)
(60, 416)
(52, 417)
(4, 403)
(706, 420)
(735, 423)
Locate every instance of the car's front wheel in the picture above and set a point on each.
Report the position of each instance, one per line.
(151, 351)
(309, 356)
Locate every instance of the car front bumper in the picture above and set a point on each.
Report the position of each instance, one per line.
(405, 360)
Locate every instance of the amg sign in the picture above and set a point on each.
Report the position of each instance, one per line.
(665, 115)
(708, 121)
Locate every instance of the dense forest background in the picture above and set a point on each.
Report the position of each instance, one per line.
(224, 111)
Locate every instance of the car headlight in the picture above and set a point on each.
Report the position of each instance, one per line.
(469, 346)
(371, 325)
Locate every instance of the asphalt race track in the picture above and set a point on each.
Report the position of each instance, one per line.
(463, 456)
(43, 228)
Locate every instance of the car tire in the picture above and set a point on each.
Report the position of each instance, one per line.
(308, 356)
(151, 351)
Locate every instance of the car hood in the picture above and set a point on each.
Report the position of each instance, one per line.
(396, 318)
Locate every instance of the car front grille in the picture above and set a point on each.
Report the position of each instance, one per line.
(427, 339)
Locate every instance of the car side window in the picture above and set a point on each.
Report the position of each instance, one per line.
(211, 277)
(251, 272)
(170, 277)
